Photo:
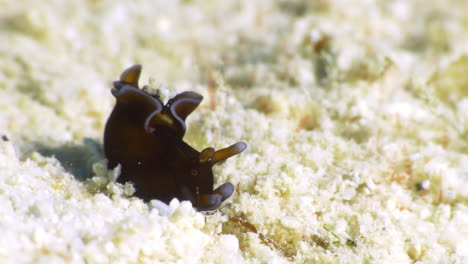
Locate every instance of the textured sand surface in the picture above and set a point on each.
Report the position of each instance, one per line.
(355, 114)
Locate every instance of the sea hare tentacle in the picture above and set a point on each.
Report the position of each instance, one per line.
(206, 155)
(225, 190)
(225, 153)
(209, 202)
(179, 107)
(183, 104)
(131, 75)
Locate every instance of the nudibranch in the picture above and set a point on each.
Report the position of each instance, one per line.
(146, 138)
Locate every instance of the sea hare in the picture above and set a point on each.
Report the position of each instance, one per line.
(146, 138)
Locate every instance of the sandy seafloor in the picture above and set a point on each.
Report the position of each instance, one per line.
(355, 114)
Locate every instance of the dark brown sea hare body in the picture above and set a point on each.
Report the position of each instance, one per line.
(146, 138)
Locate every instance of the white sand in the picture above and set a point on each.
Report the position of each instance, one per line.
(355, 114)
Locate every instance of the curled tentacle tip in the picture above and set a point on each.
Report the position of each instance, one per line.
(131, 75)
(239, 147)
(181, 106)
(225, 190)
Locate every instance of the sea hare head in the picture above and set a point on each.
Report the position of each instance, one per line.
(146, 138)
